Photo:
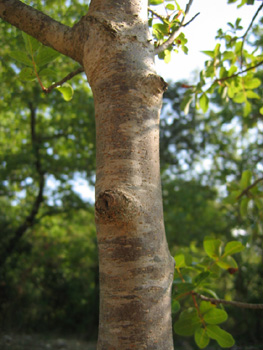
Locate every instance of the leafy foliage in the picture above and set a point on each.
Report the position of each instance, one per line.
(191, 279)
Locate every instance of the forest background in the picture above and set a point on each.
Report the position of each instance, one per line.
(49, 271)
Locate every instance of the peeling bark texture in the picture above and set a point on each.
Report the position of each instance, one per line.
(136, 269)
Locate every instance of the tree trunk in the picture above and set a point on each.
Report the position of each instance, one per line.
(136, 269)
(112, 42)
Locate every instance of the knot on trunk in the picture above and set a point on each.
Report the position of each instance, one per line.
(155, 83)
(113, 205)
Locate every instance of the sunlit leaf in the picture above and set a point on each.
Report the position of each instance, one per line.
(156, 2)
(252, 83)
(204, 102)
(170, 7)
(185, 105)
(209, 53)
(212, 247)
(240, 97)
(66, 91)
(245, 179)
(180, 260)
(233, 247)
(227, 263)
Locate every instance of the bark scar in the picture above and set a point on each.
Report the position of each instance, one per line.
(113, 205)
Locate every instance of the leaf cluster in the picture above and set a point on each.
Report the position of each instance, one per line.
(193, 278)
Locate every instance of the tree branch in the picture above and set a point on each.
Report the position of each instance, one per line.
(177, 32)
(237, 74)
(45, 29)
(245, 191)
(156, 14)
(248, 29)
(229, 302)
(61, 82)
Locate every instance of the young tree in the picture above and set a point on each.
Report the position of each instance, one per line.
(113, 45)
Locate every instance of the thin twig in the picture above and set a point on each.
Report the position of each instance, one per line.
(229, 302)
(237, 74)
(156, 14)
(245, 191)
(248, 29)
(68, 77)
(177, 32)
(191, 20)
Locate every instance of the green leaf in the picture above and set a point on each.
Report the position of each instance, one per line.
(21, 57)
(215, 316)
(27, 74)
(167, 56)
(247, 108)
(175, 306)
(47, 73)
(209, 53)
(170, 7)
(223, 338)
(233, 247)
(184, 287)
(45, 55)
(228, 55)
(201, 338)
(261, 111)
(245, 179)
(240, 97)
(66, 91)
(31, 43)
(201, 277)
(156, 2)
(244, 207)
(231, 91)
(252, 94)
(204, 102)
(179, 260)
(187, 323)
(185, 105)
(212, 247)
(252, 83)
(206, 306)
(232, 70)
(227, 263)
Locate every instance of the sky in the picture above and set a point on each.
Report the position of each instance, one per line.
(214, 14)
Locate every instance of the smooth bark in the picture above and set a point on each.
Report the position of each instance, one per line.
(136, 269)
